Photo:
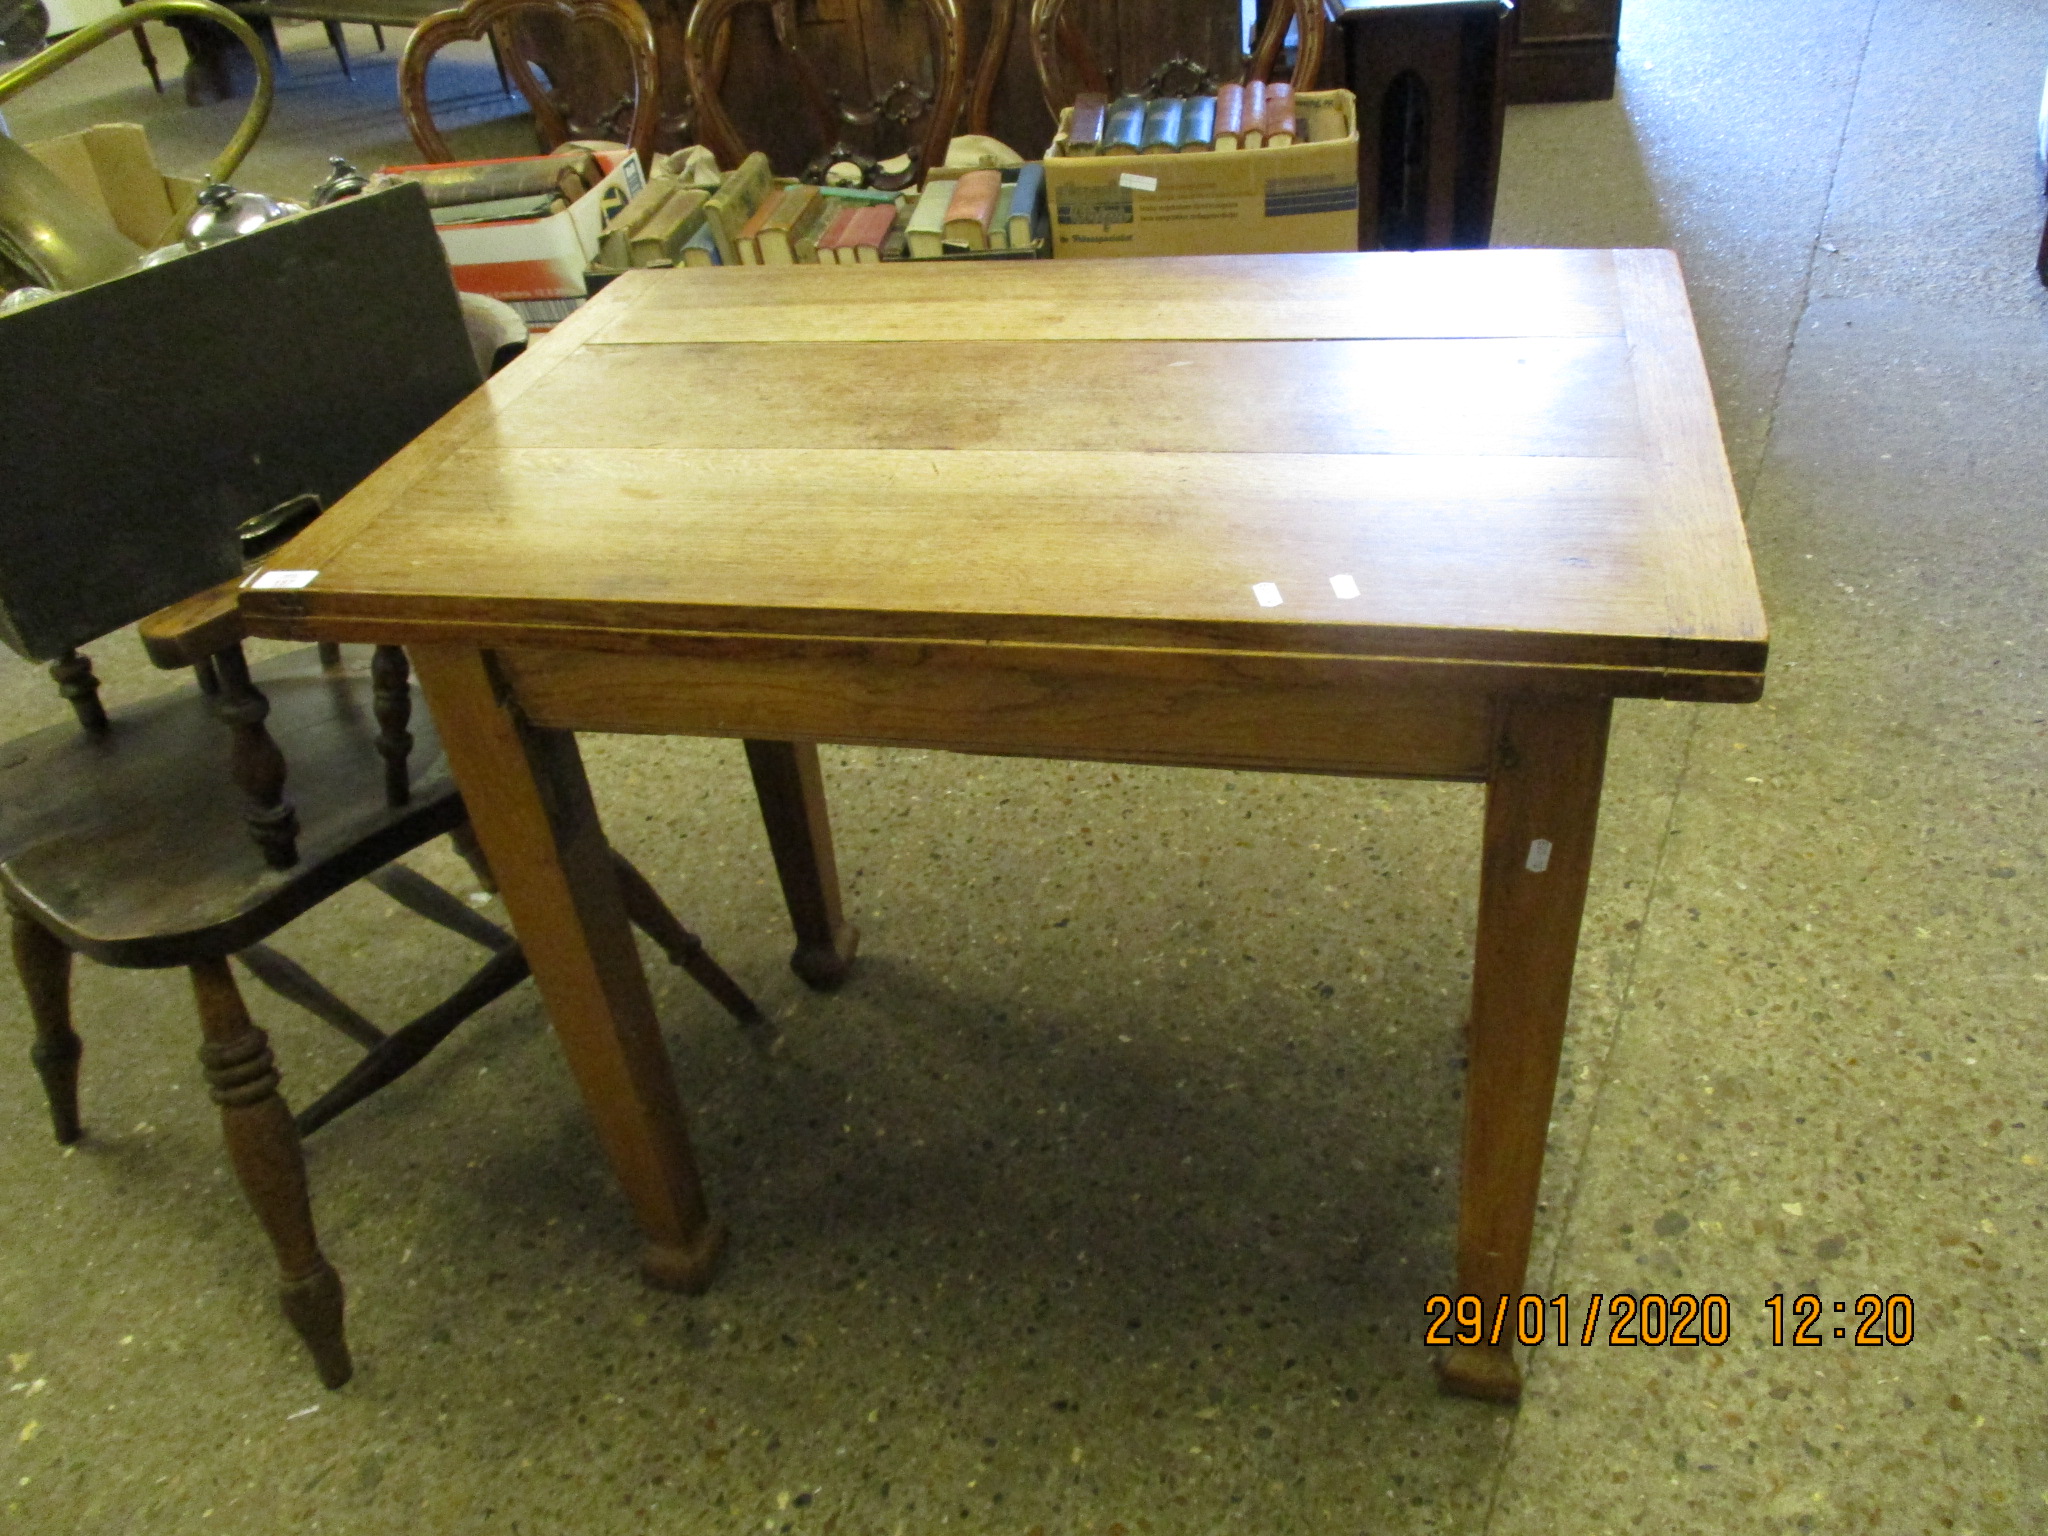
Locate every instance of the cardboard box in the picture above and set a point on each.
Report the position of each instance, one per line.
(1301, 197)
(536, 264)
(111, 167)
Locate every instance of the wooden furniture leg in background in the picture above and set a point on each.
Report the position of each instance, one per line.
(1542, 803)
(264, 1149)
(531, 808)
(44, 966)
(791, 788)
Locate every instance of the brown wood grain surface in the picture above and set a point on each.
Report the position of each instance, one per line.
(1550, 497)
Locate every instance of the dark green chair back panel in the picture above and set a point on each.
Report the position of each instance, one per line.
(145, 418)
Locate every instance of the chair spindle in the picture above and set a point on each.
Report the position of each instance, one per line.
(391, 686)
(75, 680)
(256, 762)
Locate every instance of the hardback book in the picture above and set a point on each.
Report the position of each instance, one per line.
(1254, 134)
(537, 206)
(729, 208)
(834, 237)
(813, 228)
(749, 238)
(1229, 117)
(659, 241)
(867, 234)
(1025, 198)
(971, 209)
(701, 249)
(777, 238)
(925, 235)
(1162, 126)
(999, 220)
(1198, 123)
(1280, 125)
(1086, 122)
(1126, 130)
(570, 174)
(614, 247)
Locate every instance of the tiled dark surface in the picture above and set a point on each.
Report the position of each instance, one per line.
(1106, 1195)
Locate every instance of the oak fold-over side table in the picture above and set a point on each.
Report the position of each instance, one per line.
(1415, 515)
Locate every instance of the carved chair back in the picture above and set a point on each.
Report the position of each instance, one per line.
(1066, 65)
(477, 19)
(925, 115)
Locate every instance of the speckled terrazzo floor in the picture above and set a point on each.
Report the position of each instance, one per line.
(1105, 1199)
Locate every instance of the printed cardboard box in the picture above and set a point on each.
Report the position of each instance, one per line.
(1300, 197)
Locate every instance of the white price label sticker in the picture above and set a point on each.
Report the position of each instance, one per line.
(1132, 181)
(272, 581)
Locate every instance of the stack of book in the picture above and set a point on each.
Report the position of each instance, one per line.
(976, 212)
(750, 219)
(1250, 116)
(491, 191)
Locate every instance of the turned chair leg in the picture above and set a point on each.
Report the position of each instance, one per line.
(264, 1149)
(44, 965)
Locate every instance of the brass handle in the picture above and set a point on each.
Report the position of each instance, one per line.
(90, 36)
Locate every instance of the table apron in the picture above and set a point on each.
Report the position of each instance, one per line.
(1101, 706)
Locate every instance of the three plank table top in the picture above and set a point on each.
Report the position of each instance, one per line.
(1404, 514)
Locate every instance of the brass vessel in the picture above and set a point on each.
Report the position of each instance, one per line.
(50, 238)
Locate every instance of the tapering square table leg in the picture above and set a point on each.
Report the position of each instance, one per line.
(1542, 803)
(791, 788)
(531, 808)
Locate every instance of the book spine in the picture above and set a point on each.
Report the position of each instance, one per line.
(926, 233)
(777, 238)
(804, 238)
(972, 208)
(661, 238)
(999, 220)
(615, 245)
(835, 233)
(1162, 126)
(1086, 122)
(1254, 135)
(1198, 123)
(1280, 125)
(1126, 130)
(701, 249)
(1229, 116)
(739, 194)
(1025, 199)
(867, 234)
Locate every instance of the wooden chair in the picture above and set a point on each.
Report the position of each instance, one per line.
(476, 19)
(1066, 66)
(903, 104)
(123, 837)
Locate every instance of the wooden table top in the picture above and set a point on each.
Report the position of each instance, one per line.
(1504, 458)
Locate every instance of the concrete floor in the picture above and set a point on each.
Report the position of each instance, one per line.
(1107, 1197)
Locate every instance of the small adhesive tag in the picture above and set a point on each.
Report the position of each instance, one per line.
(1539, 856)
(1267, 594)
(1133, 182)
(1344, 586)
(272, 581)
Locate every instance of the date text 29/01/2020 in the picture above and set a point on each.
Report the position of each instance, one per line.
(1654, 1319)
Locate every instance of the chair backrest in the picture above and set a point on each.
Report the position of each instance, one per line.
(904, 104)
(148, 418)
(1066, 65)
(475, 20)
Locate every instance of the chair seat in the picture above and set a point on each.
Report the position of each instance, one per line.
(131, 846)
